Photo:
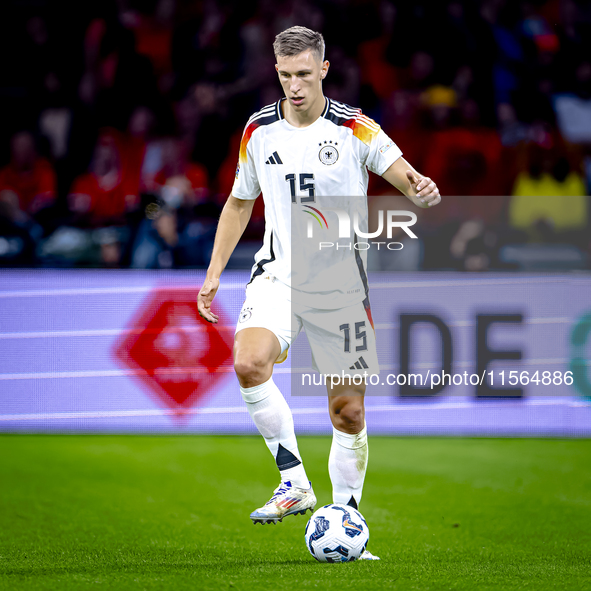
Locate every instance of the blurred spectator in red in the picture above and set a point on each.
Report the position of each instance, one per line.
(100, 201)
(376, 70)
(27, 190)
(536, 28)
(226, 177)
(28, 182)
(465, 160)
(401, 121)
(181, 183)
(153, 35)
(104, 195)
(116, 78)
(203, 120)
(136, 145)
(227, 172)
(179, 229)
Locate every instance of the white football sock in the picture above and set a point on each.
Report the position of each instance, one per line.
(347, 464)
(274, 420)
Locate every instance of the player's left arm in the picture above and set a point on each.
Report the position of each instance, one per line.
(421, 190)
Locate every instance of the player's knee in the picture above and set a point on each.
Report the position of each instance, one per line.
(251, 370)
(349, 417)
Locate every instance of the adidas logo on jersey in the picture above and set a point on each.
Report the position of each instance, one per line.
(274, 159)
(360, 364)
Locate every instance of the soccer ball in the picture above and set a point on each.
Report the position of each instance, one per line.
(337, 533)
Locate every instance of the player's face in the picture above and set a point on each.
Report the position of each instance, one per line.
(301, 78)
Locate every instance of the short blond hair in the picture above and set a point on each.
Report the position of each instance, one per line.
(295, 40)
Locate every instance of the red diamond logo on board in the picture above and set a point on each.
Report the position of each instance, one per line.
(175, 353)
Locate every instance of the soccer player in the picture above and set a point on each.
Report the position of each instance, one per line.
(307, 152)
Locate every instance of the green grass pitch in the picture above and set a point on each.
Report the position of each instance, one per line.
(131, 512)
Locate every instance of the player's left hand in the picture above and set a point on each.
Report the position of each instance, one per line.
(426, 191)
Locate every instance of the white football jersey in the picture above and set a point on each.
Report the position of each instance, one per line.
(310, 177)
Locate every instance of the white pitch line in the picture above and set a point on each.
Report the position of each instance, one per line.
(233, 286)
(472, 323)
(473, 282)
(33, 293)
(112, 373)
(296, 411)
(107, 332)
(42, 293)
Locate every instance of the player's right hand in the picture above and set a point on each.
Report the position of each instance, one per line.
(205, 297)
(426, 193)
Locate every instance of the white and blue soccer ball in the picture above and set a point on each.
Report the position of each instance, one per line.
(337, 533)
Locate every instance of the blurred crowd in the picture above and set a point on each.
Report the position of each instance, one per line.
(122, 121)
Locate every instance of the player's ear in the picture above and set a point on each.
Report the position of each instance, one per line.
(324, 69)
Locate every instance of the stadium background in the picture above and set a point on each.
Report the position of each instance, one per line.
(110, 107)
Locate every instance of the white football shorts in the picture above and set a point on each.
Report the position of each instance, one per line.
(341, 340)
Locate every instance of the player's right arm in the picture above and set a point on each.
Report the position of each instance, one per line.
(233, 221)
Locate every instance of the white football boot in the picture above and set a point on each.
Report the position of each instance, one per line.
(286, 500)
(367, 555)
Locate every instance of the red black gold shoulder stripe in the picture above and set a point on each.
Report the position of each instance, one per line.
(364, 128)
(266, 116)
